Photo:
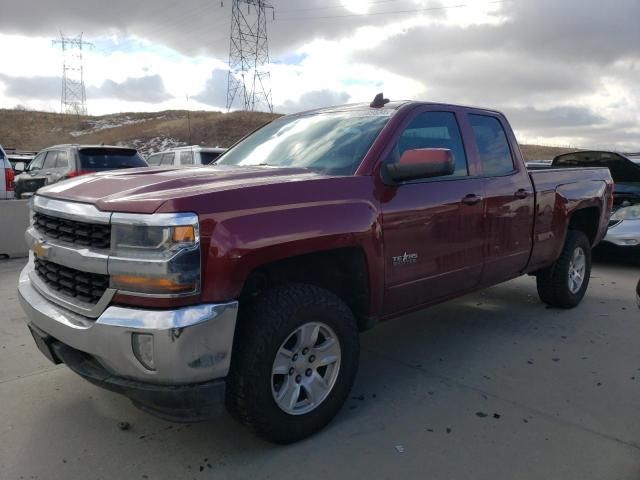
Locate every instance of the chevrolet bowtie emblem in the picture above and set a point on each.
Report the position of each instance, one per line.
(40, 249)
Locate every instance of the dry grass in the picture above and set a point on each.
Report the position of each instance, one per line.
(28, 130)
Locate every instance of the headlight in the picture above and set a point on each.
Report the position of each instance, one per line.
(145, 241)
(157, 255)
(626, 213)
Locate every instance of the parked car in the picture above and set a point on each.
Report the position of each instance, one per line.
(624, 225)
(251, 278)
(19, 159)
(186, 156)
(62, 162)
(7, 177)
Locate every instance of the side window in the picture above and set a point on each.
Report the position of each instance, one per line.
(208, 157)
(433, 130)
(50, 161)
(154, 159)
(36, 163)
(493, 147)
(186, 158)
(63, 160)
(167, 158)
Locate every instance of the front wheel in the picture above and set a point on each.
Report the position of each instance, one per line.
(295, 359)
(564, 283)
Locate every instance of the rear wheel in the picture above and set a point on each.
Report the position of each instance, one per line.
(294, 361)
(564, 283)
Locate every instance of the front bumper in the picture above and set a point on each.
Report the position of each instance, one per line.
(190, 345)
(626, 233)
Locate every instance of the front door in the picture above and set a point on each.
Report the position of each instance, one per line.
(433, 228)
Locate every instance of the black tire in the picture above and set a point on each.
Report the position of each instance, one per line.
(263, 327)
(553, 281)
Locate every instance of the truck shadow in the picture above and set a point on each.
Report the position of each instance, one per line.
(472, 353)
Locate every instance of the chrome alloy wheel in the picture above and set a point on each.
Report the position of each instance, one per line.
(305, 368)
(577, 269)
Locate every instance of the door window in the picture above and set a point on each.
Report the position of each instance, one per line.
(186, 158)
(50, 160)
(493, 147)
(433, 130)
(62, 160)
(154, 159)
(167, 159)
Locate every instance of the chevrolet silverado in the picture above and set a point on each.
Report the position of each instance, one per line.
(248, 281)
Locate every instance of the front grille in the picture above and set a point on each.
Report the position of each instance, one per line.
(79, 233)
(85, 286)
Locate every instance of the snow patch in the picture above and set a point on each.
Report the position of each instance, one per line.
(92, 126)
(147, 146)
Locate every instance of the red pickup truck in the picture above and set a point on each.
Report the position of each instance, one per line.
(249, 280)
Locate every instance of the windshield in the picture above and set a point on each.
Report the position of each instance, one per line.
(331, 143)
(94, 159)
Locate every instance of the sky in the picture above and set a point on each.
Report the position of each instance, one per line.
(564, 71)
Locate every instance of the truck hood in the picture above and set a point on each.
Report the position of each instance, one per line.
(144, 190)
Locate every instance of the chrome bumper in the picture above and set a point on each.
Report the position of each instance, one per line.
(624, 234)
(191, 344)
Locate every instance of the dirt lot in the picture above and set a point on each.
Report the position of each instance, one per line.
(492, 386)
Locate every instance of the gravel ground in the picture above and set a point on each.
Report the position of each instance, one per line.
(491, 386)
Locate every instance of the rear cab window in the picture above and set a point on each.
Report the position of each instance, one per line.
(98, 158)
(493, 147)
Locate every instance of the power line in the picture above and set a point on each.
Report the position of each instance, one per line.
(388, 12)
(73, 97)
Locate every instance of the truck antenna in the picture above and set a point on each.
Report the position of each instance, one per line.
(379, 101)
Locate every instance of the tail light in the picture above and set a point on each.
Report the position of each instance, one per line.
(77, 173)
(9, 179)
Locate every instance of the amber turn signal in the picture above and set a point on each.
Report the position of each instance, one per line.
(149, 284)
(184, 234)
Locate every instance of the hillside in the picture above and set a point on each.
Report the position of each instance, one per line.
(151, 132)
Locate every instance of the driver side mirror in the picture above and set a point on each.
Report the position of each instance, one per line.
(19, 167)
(422, 163)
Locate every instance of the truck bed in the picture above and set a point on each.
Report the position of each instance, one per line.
(562, 190)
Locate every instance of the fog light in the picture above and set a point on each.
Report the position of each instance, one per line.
(142, 344)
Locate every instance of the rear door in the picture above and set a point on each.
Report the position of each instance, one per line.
(509, 198)
(432, 228)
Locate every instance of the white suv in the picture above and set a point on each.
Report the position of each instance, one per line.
(7, 177)
(186, 156)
